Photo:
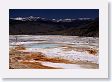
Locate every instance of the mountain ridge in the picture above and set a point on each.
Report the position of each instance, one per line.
(89, 28)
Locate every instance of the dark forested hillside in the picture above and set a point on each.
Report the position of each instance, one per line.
(74, 28)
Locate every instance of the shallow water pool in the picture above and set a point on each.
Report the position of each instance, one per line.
(42, 45)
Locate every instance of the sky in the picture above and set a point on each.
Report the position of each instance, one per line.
(55, 13)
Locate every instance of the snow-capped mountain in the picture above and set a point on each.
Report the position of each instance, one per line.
(32, 18)
(43, 26)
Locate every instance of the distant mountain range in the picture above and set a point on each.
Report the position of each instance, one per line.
(32, 18)
(43, 26)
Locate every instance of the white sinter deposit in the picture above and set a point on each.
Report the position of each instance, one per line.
(73, 41)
